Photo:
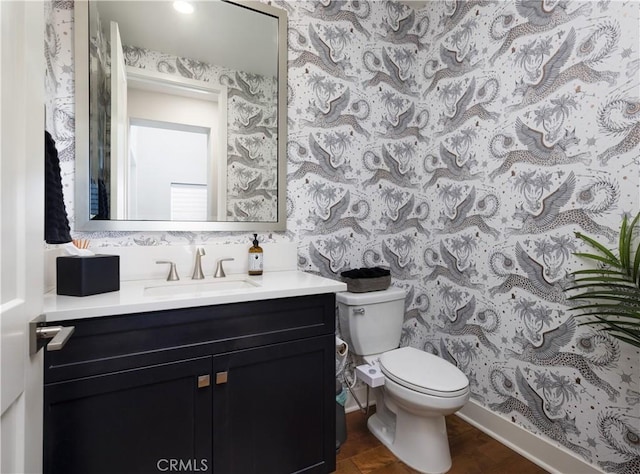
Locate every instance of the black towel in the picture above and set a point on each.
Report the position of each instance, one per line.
(56, 223)
(374, 272)
(103, 201)
(93, 199)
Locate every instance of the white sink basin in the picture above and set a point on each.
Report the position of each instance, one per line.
(198, 288)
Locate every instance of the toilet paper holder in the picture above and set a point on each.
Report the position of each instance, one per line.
(341, 347)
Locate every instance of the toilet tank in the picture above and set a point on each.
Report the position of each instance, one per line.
(371, 323)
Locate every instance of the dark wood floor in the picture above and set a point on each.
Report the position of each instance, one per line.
(472, 451)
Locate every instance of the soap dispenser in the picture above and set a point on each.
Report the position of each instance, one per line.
(255, 257)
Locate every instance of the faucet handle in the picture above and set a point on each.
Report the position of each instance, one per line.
(173, 273)
(219, 270)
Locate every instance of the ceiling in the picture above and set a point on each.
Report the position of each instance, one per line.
(216, 32)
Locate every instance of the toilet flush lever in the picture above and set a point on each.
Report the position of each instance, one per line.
(358, 311)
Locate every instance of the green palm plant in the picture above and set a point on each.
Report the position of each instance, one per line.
(611, 291)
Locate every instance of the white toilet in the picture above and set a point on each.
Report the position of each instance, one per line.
(419, 388)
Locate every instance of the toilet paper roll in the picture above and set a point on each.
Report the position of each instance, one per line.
(342, 348)
(342, 351)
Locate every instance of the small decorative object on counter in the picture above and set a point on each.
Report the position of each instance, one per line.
(363, 280)
(255, 257)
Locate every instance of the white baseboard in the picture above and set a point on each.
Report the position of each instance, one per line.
(361, 392)
(555, 459)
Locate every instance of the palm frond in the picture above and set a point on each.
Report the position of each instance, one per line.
(596, 271)
(614, 328)
(636, 263)
(636, 266)
(634, 341)
(623, 249)
(619, 323)
(612, 293)
(606, 288)
(631, 305)
(608, 310)
(599, 258)
(597, 245)
(605, 281)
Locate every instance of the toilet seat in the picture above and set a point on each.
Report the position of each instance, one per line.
(424, 372)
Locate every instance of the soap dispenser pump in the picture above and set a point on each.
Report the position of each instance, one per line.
(255, 257)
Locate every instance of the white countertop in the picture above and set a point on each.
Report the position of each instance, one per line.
(132, 298)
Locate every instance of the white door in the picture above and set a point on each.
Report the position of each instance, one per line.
(119, 127)
(21, 231)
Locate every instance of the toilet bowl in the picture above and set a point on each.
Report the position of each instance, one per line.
(419, 388)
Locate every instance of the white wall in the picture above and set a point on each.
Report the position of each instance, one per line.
(170, 156)
(163, 157)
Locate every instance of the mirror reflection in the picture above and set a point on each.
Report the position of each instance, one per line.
(183, 113)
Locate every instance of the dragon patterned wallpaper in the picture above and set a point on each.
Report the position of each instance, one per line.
(461, 144)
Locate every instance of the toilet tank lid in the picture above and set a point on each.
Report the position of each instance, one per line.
(390, 294)
(420, 369)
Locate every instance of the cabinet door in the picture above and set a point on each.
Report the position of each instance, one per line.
(137, 421)
(274, 409)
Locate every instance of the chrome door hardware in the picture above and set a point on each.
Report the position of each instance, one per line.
(39, 334)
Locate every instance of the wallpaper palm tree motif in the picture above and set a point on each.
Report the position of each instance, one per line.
(461, 145)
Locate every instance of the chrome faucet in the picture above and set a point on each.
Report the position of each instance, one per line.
(173, 273)
(219, 270)
(197, 268)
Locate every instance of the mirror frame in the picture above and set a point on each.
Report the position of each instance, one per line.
(81, 214)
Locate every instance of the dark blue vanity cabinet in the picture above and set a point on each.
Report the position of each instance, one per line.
(231, 389)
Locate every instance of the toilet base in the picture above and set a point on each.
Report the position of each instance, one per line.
(419, 442)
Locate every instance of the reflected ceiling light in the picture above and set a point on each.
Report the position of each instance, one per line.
(183, 7)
